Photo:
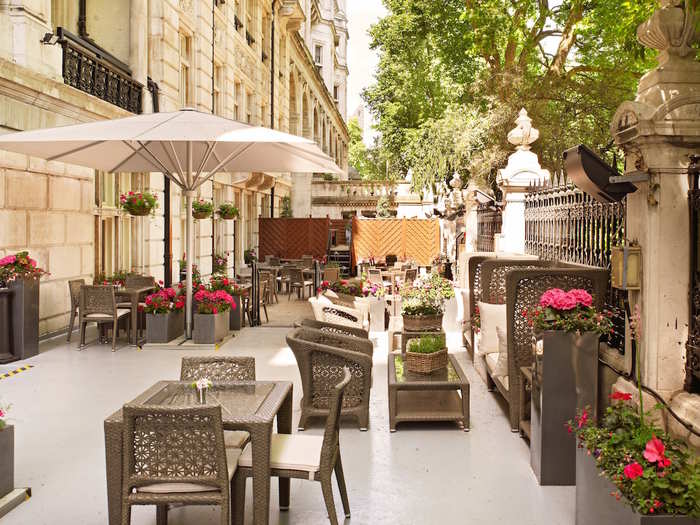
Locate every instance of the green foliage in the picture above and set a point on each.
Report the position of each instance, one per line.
(227, 209)
(428, 344)
(202, 206)
(426, 295)
(383, 207)
(370, 163)
(286, 211)
(462, 70)
(654, 473)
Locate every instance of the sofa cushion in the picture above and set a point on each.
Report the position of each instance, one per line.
(290, 452)
(501, 368)
(492, 316)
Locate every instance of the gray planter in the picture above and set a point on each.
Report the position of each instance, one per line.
(19, 320)
(564, 378)
(595, 505)
(236, 314)
(209, 328)
(7, 460)
(163, 328)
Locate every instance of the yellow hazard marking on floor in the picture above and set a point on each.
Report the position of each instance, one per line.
(15, 372)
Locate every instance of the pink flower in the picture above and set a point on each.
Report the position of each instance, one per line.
(582, 297)
(654, 452)
(583, 418)
(558, 299)
(633, 470)
(620, 396)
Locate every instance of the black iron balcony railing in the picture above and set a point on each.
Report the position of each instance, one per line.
(249, 38)
(237, 22)
(90, 69)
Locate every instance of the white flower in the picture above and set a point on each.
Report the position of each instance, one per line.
(203, 383)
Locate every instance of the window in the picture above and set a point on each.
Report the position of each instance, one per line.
(249, 108)
(218, 90)
(237, 101)
(185, 70)
(336, 94)
(114, 234)
(318, 55)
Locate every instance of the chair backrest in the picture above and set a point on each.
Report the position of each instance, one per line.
(173, 445)
(97, 300)
(274, 261)
(74, 291)
(375, 276)
(296, 275)
(411, 275)
(333, 328)
(331, 274)
(391, 259)
(267, 259)
(307, 261)
(331, 436)
(495, 271)
(218, 369)
(139, 281)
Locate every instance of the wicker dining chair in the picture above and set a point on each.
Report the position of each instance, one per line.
(297, 282)
(411, 275)
(331, 274)
(333, 328)
(307, 261)
(175, 455)
(313, 458)
(274, 261)
(221, 369)
(321, 356)
(74, 291)
(98, 305)
(284, 278)
(375, 276)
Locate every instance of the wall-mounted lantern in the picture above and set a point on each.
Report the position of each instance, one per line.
(626, 267)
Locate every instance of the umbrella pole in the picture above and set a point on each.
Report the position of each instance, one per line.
(189, 227)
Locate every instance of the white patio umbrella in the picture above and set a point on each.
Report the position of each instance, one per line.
(187, 146)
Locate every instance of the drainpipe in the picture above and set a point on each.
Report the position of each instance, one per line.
(213, 64)
(82, 19)
(272, 68)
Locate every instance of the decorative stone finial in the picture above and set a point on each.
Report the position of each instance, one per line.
(456, 181)
(671, 30)
(524, 134)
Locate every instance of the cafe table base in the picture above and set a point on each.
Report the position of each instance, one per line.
(251, 406)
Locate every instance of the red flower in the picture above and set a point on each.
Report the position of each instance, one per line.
(620, 396)
(654, 451)
(633, 470)
(583, 418)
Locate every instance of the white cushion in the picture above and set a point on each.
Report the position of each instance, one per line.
(120, 313)
(501, 368)
(491, 361)
(492, 316)
(232, 455)
(290, 452)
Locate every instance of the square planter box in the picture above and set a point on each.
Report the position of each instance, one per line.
(7, 460)
(236, 314)
(163, 328)
(210, 329)
(19, 320)
(595, 505)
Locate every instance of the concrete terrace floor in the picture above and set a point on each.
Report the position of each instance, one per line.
(422, 474)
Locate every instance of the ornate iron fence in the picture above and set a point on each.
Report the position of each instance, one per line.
(564, 224)
(489, 220)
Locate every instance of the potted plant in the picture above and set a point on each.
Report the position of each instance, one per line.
(7, 454)
(286, 209)
(236, 292)
(374, 295)
(426, 354)
(423, 303)
(165, 316)
(202, 209)
(227, 211)
(630, 472)
(211, 321)
(249, 256)
(219, 263)
(139, 203)
(196, 276)
(20, 274)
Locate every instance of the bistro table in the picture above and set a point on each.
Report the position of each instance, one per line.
(134, 296)
(246, 405)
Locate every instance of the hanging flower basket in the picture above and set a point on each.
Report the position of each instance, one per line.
(227, 211)
(202, 209)
(138, 204)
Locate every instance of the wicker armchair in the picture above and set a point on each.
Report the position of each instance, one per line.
(337, 314)
(176, 455)
(98, 305)
(321, 356)
(74, 291)
(221, 369)
(523, 285)
(312, 458)
(333, 328)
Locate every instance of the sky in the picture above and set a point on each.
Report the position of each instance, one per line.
(362, 62)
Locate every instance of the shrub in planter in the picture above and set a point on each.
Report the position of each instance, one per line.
(249, 256)
(196, 276)
(227, 211)
(202, 209)
(165, 317)
(426, 354)
(219, 263)
(423, 302)
(139, 203)
(211, 321)
(19, 266)
(652, 474)
(236, 292)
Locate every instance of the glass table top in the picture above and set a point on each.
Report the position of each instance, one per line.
(446, 375)
(237, 401)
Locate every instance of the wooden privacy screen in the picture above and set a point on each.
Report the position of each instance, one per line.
(417, 239)
(293, 238)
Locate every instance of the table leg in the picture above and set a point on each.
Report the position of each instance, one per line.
(284, 426)
(113, 450)
(393, 391)
(134, 320)
(260, 443)
(465, 407)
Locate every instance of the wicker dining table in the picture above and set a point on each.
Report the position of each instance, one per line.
(247, 405)
(133, 296)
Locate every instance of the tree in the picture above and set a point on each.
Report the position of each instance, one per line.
(370, 163)
(570, 65)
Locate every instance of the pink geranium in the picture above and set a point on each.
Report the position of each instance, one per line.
(654, 452)
(582, 297)
(558, 299)
(633, 470)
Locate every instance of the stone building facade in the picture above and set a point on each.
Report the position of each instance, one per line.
(70, 61)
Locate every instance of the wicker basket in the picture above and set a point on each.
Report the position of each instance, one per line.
(227, 216)
(201, 214)
(425, 363)
(422, 323)
(139, 212)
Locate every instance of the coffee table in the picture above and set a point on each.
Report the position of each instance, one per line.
(440, 396)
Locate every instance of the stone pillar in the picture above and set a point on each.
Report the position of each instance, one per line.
(523, 170)
(138, 48)
(301, 194)
(658, 131)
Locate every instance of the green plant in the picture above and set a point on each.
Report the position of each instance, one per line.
(227, 210)
(219, 263)
(117, 278)
(138, 203)
(164, 301)
(654, 473)
(571, 311)
(428, 344)
(213, 302)
(286, 211)
(200, 206)
(328, 177)
(426, 295)
(383, 207)
(19, 266)
(3, 415)
(249, 256)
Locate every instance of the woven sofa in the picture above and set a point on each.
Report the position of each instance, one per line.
(519, 285)
(327, 311)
